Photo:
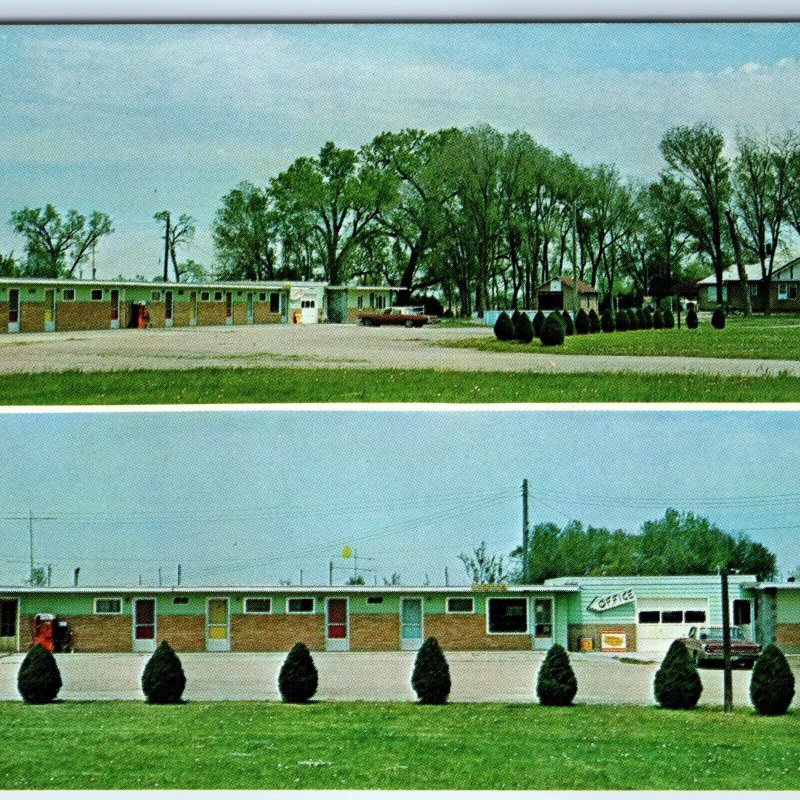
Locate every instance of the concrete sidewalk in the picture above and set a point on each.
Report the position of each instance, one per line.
(477, 677)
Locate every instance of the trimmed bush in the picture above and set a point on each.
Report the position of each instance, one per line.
(641, 319)
(569, 326)
(772, 682)
(163, 680)
(594, 322)
(504, 328)
(621, 320)
(648, 319)
(607, 324)
(718, 318)
(552, 332)
(691, 318)
(538, 321)
(658, 319)
(669, 319)
(515, 317)
(523, 329)
(556, 684)
(38, 679)
(633, 320)
(298, 679)
(582, 325)
(431, 676)
(677, 683)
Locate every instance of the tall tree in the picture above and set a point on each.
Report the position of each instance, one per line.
(481, 567)
(333, 200)
(762, 179)
(56, 246)
(243, 234)
(695, 155)
(176, 234)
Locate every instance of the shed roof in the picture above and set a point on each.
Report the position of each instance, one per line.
(583, 287)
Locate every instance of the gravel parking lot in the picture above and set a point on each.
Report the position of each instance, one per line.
(325, 346)
(477, 677)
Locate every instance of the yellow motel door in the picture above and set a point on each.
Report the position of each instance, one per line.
(217, 627)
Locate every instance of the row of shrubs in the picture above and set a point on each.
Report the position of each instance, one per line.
(677, 682)
(551, 329)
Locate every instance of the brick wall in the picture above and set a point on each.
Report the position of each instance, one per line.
(31, 317)
(210, 313)
(3, 317)
(577, 632)
(262, 315)
(468, 632)
(186, 633)
(181, 314)
(276, 632)
(375, 632)
(787, 637)
(156, 311)
(83, 316)
(239, 311)
(93, 633)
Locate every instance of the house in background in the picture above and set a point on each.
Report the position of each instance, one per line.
(558, 294)
(783, 289)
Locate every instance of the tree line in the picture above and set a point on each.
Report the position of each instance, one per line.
(483, 218)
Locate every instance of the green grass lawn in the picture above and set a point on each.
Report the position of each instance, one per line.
(294, 385)
(251, 745)
(755, 337)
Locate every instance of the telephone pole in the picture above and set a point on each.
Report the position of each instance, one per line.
(727, 677)
(166, 250)
(525, 532)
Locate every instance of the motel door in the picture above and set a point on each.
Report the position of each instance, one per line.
(8, 625)
(144, 625)
(249, 308)
(229, 308)
(168, 309)
(309, 310)
(13, 310)
(217, 627)
(193, 307)
(114, 309)
(410, 623)
(542, 623)
(49, 310)
(337, 635)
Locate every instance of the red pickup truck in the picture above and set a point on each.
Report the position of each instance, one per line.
(398, 315)
(705, 644)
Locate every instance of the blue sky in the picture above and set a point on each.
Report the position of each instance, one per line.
(133, 119)
(255, 496)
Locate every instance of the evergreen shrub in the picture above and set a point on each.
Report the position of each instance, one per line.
(669, 319)
(504, 328)
(677, 683)
(556, 684)
(569, 326)
(594, 322)
(538, 321)
(772, 682)
(298, 679)
(523, 329)
(431, 676)
(163, 679)
(38, 679)
(718, 318)
(552, 332)
(582, 324)
(621, 321)
(607, 324)
(658, 319)
(691, 318)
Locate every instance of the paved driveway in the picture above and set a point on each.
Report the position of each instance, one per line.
(325, 346)
(496, 677)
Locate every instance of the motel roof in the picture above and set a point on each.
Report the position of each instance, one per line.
(123, 282)
(731, 274)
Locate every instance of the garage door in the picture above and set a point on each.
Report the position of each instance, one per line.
(663, 621)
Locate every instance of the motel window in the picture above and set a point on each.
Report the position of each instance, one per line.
(300, 605)
(262, 296)
(68, 295)
(381, 302)
(508, 615)
(108, 605)
(31, 291)
(671, 617)
(97, 294)
(205, 296)
(8, 618)
(156, 296)
(374, 601)
(753, 290)
(783, 291)
(793, 291)
(274, 302)
(649, 617)
(712, 294)
(741, 612)
(218, 296)
(460, 605)
(180, 601)
(257, 605)
(360, 301)
(308, 304)
(372, 300)
(180, 291)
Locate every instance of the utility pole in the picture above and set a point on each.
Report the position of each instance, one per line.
(727, 678)
(159, 576)
(179, 574)
(525, 532)
(301, 577)
(166, 251)
(330, 573)
(30, 534)
(575, 259)
(49, 573)
(446, 577)
(94, 269)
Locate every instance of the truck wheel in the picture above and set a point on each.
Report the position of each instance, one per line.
(697, 660)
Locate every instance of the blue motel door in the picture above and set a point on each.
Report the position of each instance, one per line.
(411, 623)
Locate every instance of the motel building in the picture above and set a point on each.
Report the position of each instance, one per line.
(41, 305)
(608, 614)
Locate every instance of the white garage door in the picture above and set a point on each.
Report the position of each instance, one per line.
(310, 311)
(663, 621)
